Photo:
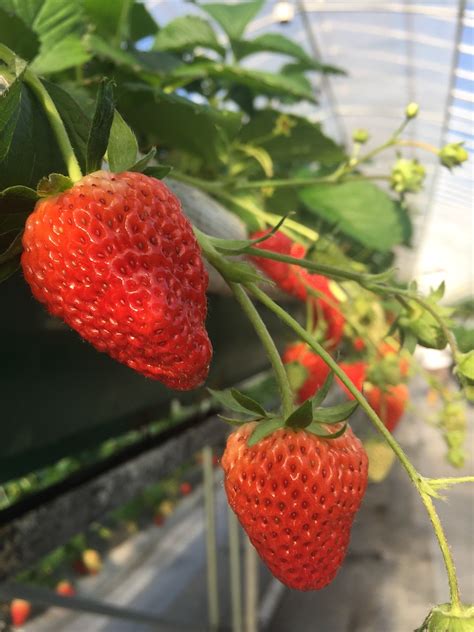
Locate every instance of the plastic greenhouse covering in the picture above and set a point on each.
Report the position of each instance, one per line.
(393, 53)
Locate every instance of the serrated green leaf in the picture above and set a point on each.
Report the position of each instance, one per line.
(122, 149)
(12, 68)
(15, 34)
(301, 417)
(321, 395)
(271, 42)
(100, 128)
(465, 365)
(67, 53)
(185, 33)
(104, 50)
(226, 399)
(264, 429)
(248, 403)
(316, 429)
(233, 18)
(360, 210)
(334, 414)
(235, 422)
(158, 171)
(109, 17)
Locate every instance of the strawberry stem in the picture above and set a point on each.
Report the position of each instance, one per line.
(421, 484)
(57, 125)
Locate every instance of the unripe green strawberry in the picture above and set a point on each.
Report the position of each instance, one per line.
(117, 260)
(296, 496)
(444, 618)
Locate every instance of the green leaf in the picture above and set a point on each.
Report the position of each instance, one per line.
(142, 163)
(169, 120)
(9, 268)
(226, 399)
(104, 50)
(233, 18)
(465, 365)
(233, 421)
(261, 155)
(122, 149)
(262, 83)
(12, 222)
(409, 341)
(56, 20)
(68, 53)
(53, 184)
(321, 395)
(11, 74)
(301, 417)
(316, 429)
(77, 124)
(187, 32)
(100, 129)
(264, 429)
(14, 248)
(360, 210)
(248, 403)
(305, 142)
(335, 414)
(141, 23)
(109, 18)
(26, 10)
(158, 171)
(271, 42)
(15, 34)
(311, 64)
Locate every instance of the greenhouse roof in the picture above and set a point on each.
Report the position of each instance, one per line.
(394, 53)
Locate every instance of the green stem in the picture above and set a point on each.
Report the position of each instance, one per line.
(419, 145)
(439, 483)
(56, 123)
(421, 484)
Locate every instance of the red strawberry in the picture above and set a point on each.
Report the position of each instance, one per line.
(116, 259)
(356, 372)
(295, 281)
(185, 488)
(19, 611)
(296, 496)
(358, 344)
(314, 366)
(89, 563)
(65, 588)
(387, 349)
(389, 404)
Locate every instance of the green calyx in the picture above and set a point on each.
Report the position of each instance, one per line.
(445, 618)
(452, 155)
(310, 416)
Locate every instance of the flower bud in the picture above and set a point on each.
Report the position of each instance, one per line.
(360, 136)
(407, 176)
(411, 110)
(452, 155)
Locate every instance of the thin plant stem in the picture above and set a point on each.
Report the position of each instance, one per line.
(57, 125)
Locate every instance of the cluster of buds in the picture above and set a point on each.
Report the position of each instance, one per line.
(452, 155)
(407, 176)
(283, 125)
(453, 422)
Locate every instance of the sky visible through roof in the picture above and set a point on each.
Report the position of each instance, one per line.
(394, 53)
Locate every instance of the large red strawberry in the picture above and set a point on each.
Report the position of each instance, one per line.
(20, 610)
(356, 372)
(314, 369)
(389, 404)
(296, 496)
(116, 259)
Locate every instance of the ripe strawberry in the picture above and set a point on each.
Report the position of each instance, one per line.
(358, 344)
(296, 496)
(315, 370)
(390, 404)
(356, 372)
(117, 260)
(89, 563)
(65, 588)
(295, 281)
(20, 610)
(185, 488)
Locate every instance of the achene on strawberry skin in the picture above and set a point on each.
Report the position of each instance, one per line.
(116, 259)
(296, 496)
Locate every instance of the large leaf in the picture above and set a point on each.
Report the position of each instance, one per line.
(26, 10)
(166, 119)
(15, 34)
(103, 49)
(109, 17)
(360, 210)
(99, 132)
(271, 42)
(233, 18)
(185, 33)
(304, 142)
(141, 23)
(67, 53)
(11, 73)
(262, 83)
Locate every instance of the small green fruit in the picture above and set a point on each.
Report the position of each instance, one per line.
(443, 619)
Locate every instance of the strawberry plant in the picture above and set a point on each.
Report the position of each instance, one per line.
(103, 243)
